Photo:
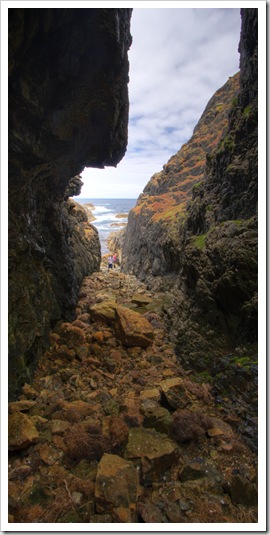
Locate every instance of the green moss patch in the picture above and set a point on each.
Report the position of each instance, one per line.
(247, 111)
(199, 241)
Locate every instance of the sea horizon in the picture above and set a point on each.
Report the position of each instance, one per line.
(106, 212)
(106, 198)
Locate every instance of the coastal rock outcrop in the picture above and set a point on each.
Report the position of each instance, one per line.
(193, 231)
(68, 109)
(155, 225)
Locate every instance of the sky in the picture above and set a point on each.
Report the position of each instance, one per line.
(179, 57)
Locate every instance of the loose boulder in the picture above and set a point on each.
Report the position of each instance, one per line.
(104, 311)
(141, 299)
(132, 329)
(152, 452)
(174, 392)
(193, 470)
(21, 431)
(116, 489)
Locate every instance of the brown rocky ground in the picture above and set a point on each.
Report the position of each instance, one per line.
(112, 429)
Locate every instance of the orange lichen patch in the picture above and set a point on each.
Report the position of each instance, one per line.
(172, 214)
(166, 206)
(165, 196)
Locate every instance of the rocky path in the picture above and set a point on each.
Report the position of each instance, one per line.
(112, 429)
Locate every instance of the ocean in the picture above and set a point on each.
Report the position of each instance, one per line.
(105, 212)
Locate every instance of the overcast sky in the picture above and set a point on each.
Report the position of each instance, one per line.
(178, 59)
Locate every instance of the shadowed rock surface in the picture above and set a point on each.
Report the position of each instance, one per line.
(68, 108)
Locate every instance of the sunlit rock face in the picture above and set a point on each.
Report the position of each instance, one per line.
(151, 244)
(68, 108)
(194, 228)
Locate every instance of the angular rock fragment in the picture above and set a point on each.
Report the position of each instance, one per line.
(104, 311)
(175, 393)
(76, 410)
(48, 454)
(156, 417)
(20, 473)
(151, 394)
(29, 392)
(116, 489)
(141, 300)
(22, 405)
(219, 428)
(132, 328)
(21, 431)
(104, 296)
(150, 513)
(152, 452)
(193, 470)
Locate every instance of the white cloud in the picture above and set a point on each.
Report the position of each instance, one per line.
(178, 59)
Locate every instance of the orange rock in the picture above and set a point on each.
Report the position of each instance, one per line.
(22, 405)
(153, 452)
(104, 311)
(98, 337)
(73, 334)
(150, 393)
(116, 489)
(174, 391)
(48, 454)
(79, 409)
(59, 427)
(21, 431)
(218, 427)
(29, 392)
(59, 442)
(132, 328)
(215, 432)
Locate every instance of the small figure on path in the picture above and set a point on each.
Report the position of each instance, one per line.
(110, 262)
(114, 260)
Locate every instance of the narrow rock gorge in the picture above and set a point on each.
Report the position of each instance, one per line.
(68, 108)
(133, 394)
(193, 233)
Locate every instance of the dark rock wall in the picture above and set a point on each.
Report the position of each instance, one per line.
(68, 108)
(205, 252)
(226, 263)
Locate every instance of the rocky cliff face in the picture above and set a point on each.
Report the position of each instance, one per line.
(68, 108)
(162, 207)
(196, 225)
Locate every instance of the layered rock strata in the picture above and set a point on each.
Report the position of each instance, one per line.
(68, 108)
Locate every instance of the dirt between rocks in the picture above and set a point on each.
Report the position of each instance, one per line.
(112, 429)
